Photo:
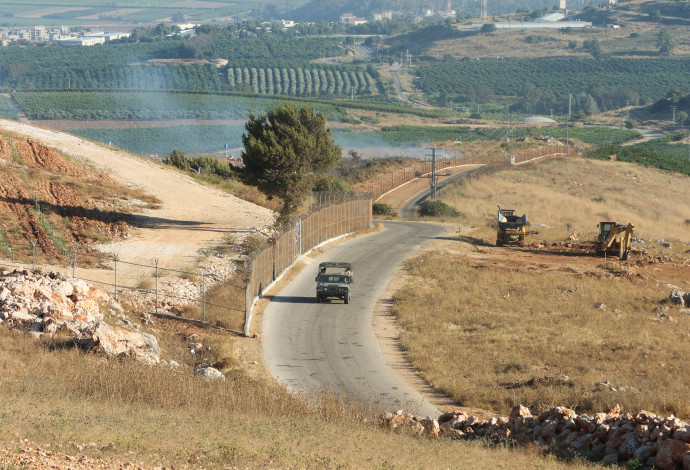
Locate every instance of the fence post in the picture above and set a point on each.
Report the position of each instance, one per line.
(74, 261)
(156, 285)
(246, 309)
(33, 253)
(203, 295)
(115, 260)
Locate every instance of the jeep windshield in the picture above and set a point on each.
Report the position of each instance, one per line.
(333, 278)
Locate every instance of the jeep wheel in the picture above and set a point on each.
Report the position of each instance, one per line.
(347, 299)
(318, 299)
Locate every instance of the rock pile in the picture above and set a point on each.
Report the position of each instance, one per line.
(678, 297)
(650, 439)
(51, 303)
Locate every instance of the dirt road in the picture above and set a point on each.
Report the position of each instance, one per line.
(191, 216)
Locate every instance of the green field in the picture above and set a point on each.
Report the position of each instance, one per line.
(160, 141)
(59, 12)
(401, 135)
(152, 105)
(651, 78)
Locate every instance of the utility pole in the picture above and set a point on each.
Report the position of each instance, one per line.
(434, 177)
(567, 118)
(434, 174)
(673, 108)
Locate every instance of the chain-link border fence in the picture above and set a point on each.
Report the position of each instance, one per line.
(409, 173)
(329, 215)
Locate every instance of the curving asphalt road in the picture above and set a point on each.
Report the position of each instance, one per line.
(309, 345)
(409, 209)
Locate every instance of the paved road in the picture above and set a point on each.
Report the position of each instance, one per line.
(309, 345)
(409, 209)
(398, 87)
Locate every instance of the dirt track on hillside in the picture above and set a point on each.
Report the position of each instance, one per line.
(191, 216)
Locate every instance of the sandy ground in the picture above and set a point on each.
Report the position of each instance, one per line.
(191, 216)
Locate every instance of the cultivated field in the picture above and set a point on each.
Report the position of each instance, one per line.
(552, 325)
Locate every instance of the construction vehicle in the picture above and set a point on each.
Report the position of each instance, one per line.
(614, 239)
(334, 280)
(511, 228)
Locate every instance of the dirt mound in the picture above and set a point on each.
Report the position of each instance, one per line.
(49, 198)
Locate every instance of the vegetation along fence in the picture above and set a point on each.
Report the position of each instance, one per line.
(226, 300)
(330, 215)
(402, 176)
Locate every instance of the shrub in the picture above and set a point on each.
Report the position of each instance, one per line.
(630, 124)
(253, 244)
(379, 208)
(437, 209)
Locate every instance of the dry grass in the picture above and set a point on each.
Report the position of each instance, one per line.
(226, 303)
(145, 283)
(493, 327)
(62, 398)
(493, 337)
(573, 194)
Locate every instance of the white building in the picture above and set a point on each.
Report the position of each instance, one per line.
(383, 15)
(111, 36)
(349, 18)
(551, 17)
(82, 41)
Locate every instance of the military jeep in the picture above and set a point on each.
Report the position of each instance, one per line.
(334, 281)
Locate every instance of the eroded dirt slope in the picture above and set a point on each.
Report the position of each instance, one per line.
(56, 202)
(187, 216)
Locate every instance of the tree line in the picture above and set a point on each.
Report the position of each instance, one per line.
(543, 84)
(310, 81)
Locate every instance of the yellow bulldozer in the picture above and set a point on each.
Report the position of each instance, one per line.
(614, 239)
(511, 228)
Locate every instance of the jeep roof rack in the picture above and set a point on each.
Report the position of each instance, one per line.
(335, 264)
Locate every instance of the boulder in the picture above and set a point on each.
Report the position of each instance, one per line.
(118, 342)
(628, 446)
(519, 411)
(609, 460)
(562, 412)
(686, 462)
(210, 373)
(671, 454)
(677, 297)
(431, 427)
(682, 434)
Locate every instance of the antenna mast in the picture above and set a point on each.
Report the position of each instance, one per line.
(485, 13)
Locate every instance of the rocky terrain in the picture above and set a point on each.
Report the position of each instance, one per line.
(52, 304)
(648, 439)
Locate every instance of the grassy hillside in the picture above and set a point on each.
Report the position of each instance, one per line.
(120, 411)
(543, 325)
(655, 200)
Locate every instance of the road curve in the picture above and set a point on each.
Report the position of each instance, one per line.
(409, 209)
(309, 345)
